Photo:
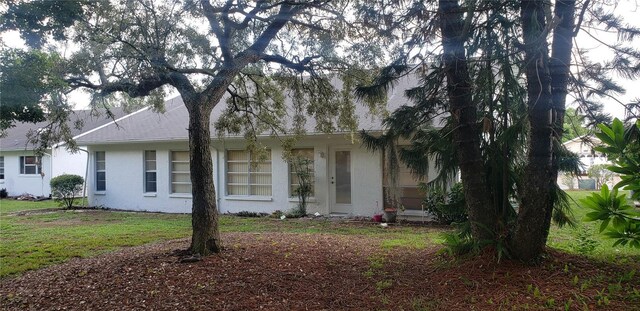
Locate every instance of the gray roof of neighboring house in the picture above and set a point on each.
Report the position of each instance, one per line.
(146, 125)
(16, 137)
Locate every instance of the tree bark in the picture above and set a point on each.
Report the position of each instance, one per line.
(559, 69)
(532, 228)
(466, 134)
(206, 236)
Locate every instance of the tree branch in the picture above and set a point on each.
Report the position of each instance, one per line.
(143, 88)
(581, 17)
(210, 13)
(298, 66)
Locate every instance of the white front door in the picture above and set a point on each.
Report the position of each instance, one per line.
(340, 181)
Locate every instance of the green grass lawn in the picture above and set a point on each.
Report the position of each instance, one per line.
(37, 234)
(12, 206)
(31, 238)
(585, 237)
(34, 239)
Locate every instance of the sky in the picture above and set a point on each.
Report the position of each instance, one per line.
(629, 9)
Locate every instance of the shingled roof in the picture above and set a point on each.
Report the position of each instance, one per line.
(16, 137)
(147, 125)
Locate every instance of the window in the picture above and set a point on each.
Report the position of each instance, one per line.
(294, 182)
(1, 167)
(180, 175)
(101, 171)
(150, 171)
(407, 192)
(246, 175)
(29, 165)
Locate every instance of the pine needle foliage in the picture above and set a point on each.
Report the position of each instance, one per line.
(499, 67)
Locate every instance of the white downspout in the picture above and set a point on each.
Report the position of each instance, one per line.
(219, 159)
(86, 175)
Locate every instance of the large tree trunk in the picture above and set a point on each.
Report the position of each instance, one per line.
(559, 69)
(206, 236)
(532, 228)
(466, 133)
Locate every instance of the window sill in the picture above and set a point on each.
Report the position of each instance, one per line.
(413, 212)
(180, 195)
(150, 194)
(296, 200)
(30, 175)
(99, 192)
(247, 198)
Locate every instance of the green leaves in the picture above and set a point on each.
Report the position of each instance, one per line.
(616, 215)
(622, 146)
(613, 137)
(36, 20)
(27, 80)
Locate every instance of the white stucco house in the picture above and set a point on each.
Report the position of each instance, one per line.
(583, 147)
(142, 164)
(24, 172)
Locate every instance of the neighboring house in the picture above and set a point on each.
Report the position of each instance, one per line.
(583, 146)
(143, 164)
(24, 172)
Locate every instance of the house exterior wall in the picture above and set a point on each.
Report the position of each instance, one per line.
(125, 175)
(125, 179)
(588, 158)
(65, 162)
(366, 179)
(16, 183)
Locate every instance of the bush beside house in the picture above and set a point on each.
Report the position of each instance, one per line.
(65, 188)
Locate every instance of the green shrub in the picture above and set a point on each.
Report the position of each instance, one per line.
(65, 188)
(446, 207)
(621, 220)
(296, 212)
(276, 214)
(584, 243)
(304, 172)
(248, 214)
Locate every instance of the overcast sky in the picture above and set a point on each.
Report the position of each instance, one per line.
(630, 10)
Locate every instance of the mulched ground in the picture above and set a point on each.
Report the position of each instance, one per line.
(281, 271)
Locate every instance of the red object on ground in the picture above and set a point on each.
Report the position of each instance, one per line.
(377, 218)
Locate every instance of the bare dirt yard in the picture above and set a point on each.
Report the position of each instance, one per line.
(291, 271)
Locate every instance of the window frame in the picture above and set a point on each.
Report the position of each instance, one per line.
(172, 172)
(1, 167)
(406, 189)
(291, 172)
(37, 164)
(147, 171)
(97, 170)
(250, 171)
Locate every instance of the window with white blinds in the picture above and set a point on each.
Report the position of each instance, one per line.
(246, 175)
(180, 175)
